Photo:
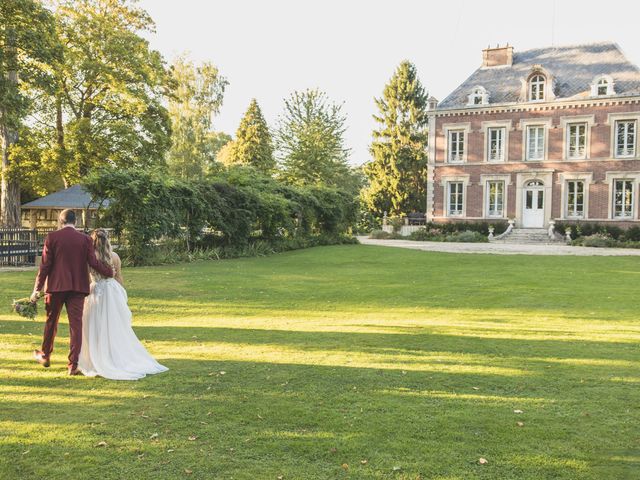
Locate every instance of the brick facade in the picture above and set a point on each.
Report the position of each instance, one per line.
(597, 172)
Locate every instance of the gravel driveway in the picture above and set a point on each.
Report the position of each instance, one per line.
(502, 248)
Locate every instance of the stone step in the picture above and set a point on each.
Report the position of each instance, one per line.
(529, 236)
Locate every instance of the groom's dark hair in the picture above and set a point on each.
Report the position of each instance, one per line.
(67, 217)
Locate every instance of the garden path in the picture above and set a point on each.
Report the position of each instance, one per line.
(501, 248)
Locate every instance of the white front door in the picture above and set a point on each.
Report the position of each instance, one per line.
(533, 214)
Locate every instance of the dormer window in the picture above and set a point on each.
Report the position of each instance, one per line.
(537, 88)
(478, 96)
(602, 86)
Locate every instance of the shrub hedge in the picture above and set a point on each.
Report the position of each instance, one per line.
(236, 208)
(583, 230)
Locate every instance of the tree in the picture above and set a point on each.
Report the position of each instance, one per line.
(196, 99)
(310, 141)
(104, 105)
(253, 145)
(398, 172)
(26, 49)
(225, 154)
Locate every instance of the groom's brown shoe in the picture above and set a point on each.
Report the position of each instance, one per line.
(74, 371)
(41, 358)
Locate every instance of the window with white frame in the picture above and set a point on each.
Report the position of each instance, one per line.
(478, 96)
(603, 86)
(577, 140)
(535, 142)
(455, 194)
(623, 198)
(496, 144)
(575, 199)
(536, 88)
(625, 138)
(495, 198)
(456, 146)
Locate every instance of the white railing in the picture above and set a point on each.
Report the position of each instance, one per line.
(504, 234)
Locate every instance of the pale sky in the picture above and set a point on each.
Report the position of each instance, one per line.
(350, 48)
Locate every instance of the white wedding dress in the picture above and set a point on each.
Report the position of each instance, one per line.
(110, 347)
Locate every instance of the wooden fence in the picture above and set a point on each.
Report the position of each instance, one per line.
(19, 247)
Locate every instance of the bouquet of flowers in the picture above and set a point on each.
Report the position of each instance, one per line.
(25, 308)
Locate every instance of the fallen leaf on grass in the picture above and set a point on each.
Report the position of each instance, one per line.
(24, 453)
(520, 424)
(170, 450)
(364, 461)
(153, 436)
(396, 469)
(187, 471)
(483, 461)
(476, 388)
(280, 477)
(193, 438)
(345, 466)
(101, 444)
(518, 411)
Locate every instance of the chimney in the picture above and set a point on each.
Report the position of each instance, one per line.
(498, 56)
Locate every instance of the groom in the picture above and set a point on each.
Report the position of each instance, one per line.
(65, 257)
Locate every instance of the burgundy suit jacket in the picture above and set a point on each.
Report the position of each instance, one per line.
(65, 257)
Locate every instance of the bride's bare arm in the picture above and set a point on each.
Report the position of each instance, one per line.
(117, 268)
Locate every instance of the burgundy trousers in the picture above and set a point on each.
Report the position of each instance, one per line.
(74, 302)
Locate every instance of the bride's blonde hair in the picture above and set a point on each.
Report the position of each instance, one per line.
(102, 245)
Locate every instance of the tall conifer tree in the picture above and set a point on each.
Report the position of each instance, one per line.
(398, 172)
(253, 145)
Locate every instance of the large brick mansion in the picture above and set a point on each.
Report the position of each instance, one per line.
(539, 135)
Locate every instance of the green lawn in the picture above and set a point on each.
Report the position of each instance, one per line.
(345, 362)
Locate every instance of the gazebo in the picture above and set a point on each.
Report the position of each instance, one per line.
(43, 212)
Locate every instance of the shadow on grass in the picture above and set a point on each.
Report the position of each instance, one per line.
(421, 341)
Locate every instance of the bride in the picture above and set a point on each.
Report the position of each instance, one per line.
(110, 348)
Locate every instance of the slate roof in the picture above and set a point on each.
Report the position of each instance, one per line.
(72, 197)
(573, 68)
